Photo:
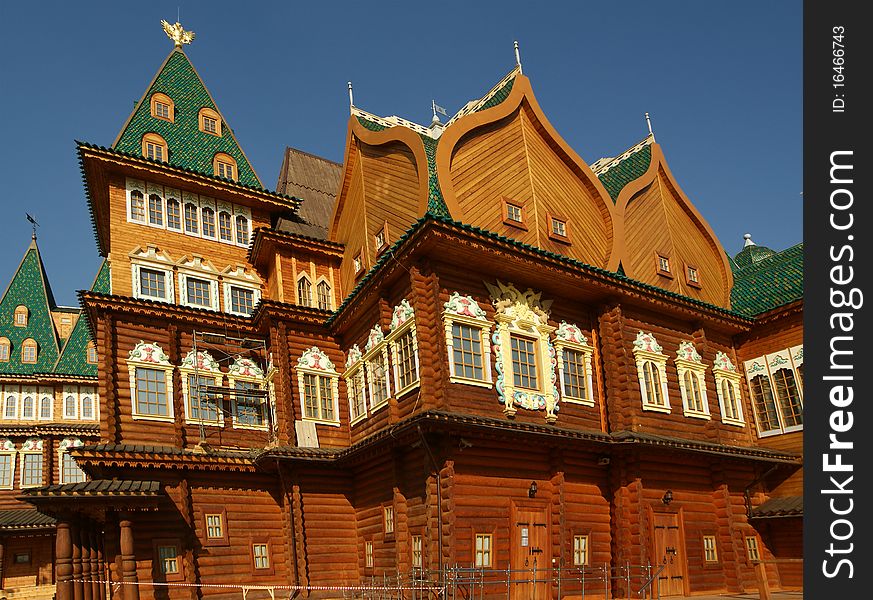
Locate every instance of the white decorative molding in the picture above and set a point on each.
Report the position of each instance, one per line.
(727, 385)
(465, 311)
(315, 363)
(403, 324)
(150, 356)
(692, 381)
(378, 374)
(401, 315)
(652, 372)
(569, 337)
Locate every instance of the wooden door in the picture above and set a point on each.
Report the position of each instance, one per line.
(531, 554)
(668, 550)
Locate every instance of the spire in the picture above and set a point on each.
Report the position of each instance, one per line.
(351, 97)
(748, 240)
(517, 56)
(649, 123)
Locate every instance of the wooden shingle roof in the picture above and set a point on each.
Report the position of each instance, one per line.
(314, 180)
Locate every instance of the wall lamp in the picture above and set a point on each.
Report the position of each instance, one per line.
(668, 497)
(532, 490)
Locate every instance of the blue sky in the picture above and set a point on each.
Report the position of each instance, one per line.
(721, 80)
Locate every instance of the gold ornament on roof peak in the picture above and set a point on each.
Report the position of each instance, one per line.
(176, 33)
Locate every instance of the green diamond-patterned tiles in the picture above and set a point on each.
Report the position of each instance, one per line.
(771, 281)
(188, 146)
(74, 356)
(631, 168)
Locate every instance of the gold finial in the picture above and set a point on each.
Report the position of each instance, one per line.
(177, 34)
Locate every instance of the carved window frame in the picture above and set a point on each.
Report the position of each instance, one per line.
(7, 448)
(158, 97)
(304, 280)
(153, 259)
(725, 373)
(31, 447)
(245, 279)
(690, 365)
(31, 393)
(464, 310)
(524, 315)
(647, 350)
(376, 346)
(207, 367)
(356, 386)
(70, 410)
(197, 267)
(316, 363)
(244, 370)
(403, 324)
(150, 356)
(64, 449)
(569, 336)
(766, 366)
(46, 393)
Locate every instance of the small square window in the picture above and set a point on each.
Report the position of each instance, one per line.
(752, 548)
(214, 526)
(513, 213)
(368, 555)
(710, 554)
(692, 276)
(379, 239)
(483, 549)
(662, 264)
(22, 558)
(210, 125)
(168, 557)
(580, 550)
(261, 555)
(162, 110)
(388, 512)
(559, 229)
(358, 264)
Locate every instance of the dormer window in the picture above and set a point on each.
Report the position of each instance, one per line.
(210, 122)
(559, 229)
(92, 354)
(692, 276)
(28, 351)
(154, 147)
(358, 264)
(21, 314)
(380, 239)
(513, 213)
(5, 347)
(162, 107)
(662, 265)
(224, 166)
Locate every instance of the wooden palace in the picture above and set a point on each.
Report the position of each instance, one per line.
(464, 361)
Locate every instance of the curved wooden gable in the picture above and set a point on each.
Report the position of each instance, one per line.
(658, 218)
(511, 151)
(384, 182)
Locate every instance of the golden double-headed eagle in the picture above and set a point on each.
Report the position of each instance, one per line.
(177, 34)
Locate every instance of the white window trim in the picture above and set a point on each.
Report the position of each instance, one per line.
(245, 370)
(524, 315)
(377, 346)
(31, 447)
(241, 211)
(771, 362)
(207, 367)
(171, 194)
(150, 356)
(153, 259)
(15, 393)
(224, 207)
(139, 186)
(70, 392)
(647, 349)
(189, 198)
(241, 277)
(724, 371)
(330, 302)
(7, 448)
(204, 276)
(32, 393)
(464, 310)
(403, 322)
(46, 392)
(315, 362)
(157, 190)
(308, 279)
(63, 448)
(209, 203)
(688, 361)
(570, 337)
(89, 392)
(355, 380)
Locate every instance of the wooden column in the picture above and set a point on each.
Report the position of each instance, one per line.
(63, 559)
(85, 543)
(128, 559)
(96, 565)
(78, 588)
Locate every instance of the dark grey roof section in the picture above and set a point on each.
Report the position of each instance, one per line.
(165, 450)
(112, 487)
(785, 506)
(315, 181)
(24, 519)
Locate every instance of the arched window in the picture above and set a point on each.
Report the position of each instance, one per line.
(192, 219)
(208, 222)
(323, 290)
(652, 381)
(789, 398)
(224, 165)
(765, 403)
(730, 400)
(28, 407)
(242, 230)
(210, 121)
(137, 206)
(156, 210)
(154, 147)
(21, 314)
(651, 371)
(28, 351)
(70, 407)
(5, 348)
(304, 291)
(692, 387)
(225, 233)
(10, 407)
(163, 107)
(92, 354)
(87, 407)
(174, 214)
(45, 407)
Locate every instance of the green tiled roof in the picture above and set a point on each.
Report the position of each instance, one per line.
(436, 204)
(752, 254)
(768, 283)
(29, 287)
(631, 168)
(74, 356)
(371, 125)
(498, 97)
(188, 146)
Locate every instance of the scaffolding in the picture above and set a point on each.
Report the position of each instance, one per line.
(211, 397)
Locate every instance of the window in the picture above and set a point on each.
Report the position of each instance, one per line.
(10, 406)
(174, 214)
(752, 548)
(198, 292)
(31, 463)
(214, 526)
(28, 407)
(580, 550)
(21, 314)
(523, 351)
(376, 359)
(91, 353)
(154, 147)
(304, 291)
(324, 296)
(7, 464)
(87, 408)
(388, 519)
(5, 347)
(162, 107)
(151, 382)
(727, 384)
(242, 290)
(242, 300)
(201, 405)
(416, 552)
(380, 238)
(513, 213)
(168, 560)
(358, 264)
(574, 364)
(249, 404)
(156, 210)
(261, 556)
(777, 394)
(651, 370)
(28, 351)
(692, 276)
(662, 265)
(242, 230)
(355, 387)
(70, 471)
(559, 229)
(208, 222)
(224, 166)
(46, 406)
(710, 554)
(467, 351)
(71, 404)
(483, 549)
(692, 384)
(318, 382)
(210, 121)
(467, 341)
(191, 219)
(137, 206)
(225, 231)
(368, 554)
(152, 283)
(404, 347)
